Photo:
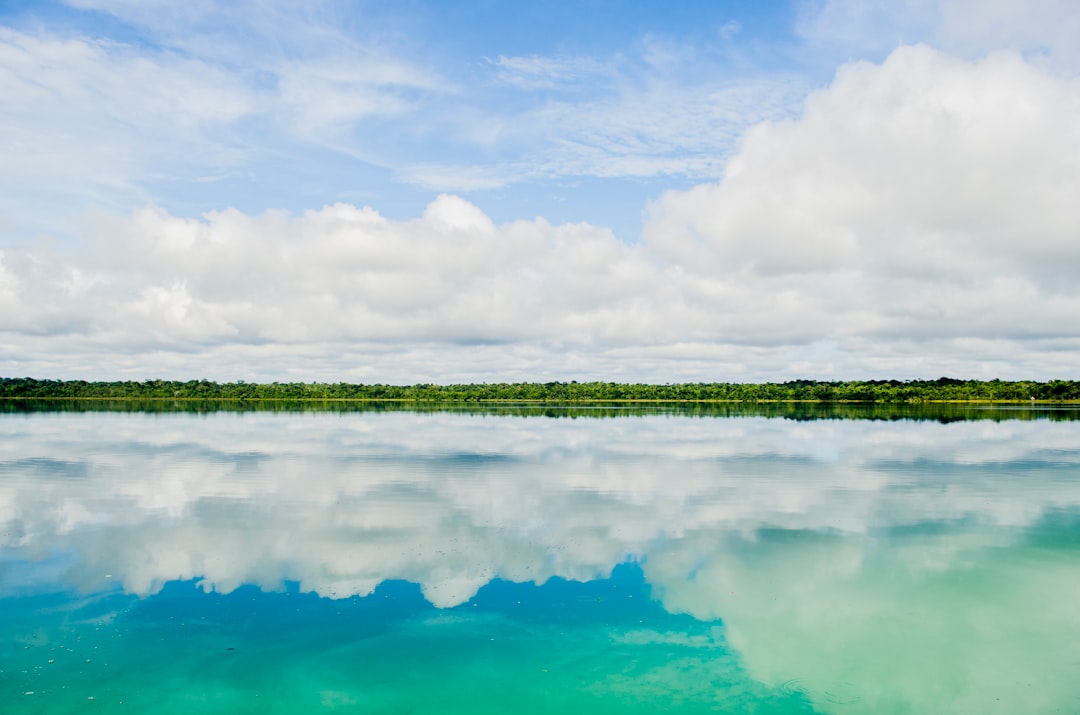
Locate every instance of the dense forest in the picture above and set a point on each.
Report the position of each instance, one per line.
(870, 391)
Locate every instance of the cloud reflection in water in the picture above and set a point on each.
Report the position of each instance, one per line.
(903, 565)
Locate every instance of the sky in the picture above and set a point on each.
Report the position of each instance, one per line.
(484, 191)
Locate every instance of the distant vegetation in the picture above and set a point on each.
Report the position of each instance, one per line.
(870, 391)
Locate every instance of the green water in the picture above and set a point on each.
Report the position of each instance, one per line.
(445, 562)
(515, 647)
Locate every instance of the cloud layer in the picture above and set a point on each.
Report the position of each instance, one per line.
(918, 219)
(913, 218)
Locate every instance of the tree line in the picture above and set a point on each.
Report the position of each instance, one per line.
(871, 391)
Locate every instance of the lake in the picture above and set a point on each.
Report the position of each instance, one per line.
(777, 559)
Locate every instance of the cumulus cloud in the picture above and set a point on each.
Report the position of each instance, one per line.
(337, 275)
(918, 219)
(927, 197)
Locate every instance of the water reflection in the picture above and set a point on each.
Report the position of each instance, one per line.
(801, 411)
(883, 566)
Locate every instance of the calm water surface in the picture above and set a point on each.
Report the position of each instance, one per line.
(456, 562)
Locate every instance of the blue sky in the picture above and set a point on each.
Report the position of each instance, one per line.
(494, 190)
(509, 104)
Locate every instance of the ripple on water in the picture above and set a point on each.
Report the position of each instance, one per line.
(835, 693)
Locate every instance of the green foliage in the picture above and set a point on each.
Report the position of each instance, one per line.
(870, 391)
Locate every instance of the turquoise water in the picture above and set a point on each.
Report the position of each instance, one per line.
(445, 562)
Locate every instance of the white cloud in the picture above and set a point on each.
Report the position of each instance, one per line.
(94, 122)
(326, 99)
(873, 25)
(87, 121)
(923, 198)
(238, 33)
(208, 101)
(1043, 29)
(341, 274)
(625, 118)
(543, 72)
(918, 219)
(201, 100)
